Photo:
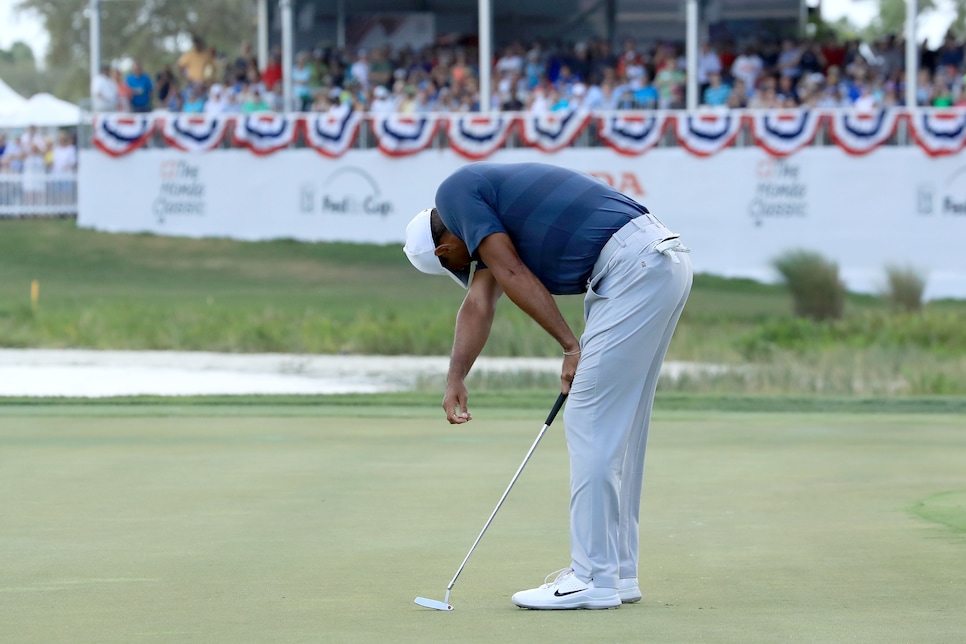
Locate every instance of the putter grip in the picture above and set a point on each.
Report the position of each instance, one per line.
(556, 407)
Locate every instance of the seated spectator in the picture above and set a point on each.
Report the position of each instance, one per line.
(716, 93)
(195, 100)
(383, 102)
(866, 102)
(645, 95)
(254, 101)
(942, 95)
(766, 97)
(787, 91)
(217, 102)
(738, 98)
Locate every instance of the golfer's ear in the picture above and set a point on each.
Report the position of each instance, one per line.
(441, 249)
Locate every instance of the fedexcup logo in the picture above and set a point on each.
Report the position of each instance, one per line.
(347, 191)
(949, 200)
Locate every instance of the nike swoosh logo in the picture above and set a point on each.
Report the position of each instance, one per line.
(557, 593)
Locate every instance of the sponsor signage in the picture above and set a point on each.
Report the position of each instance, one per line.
(738, 209)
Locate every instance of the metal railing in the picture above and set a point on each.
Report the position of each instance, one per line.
(38, 195)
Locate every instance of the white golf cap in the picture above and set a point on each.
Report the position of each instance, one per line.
(421, 249)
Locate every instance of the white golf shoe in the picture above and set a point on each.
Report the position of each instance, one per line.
(629, 591)
(567, 592)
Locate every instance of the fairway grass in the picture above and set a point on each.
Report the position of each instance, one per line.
(126, 524)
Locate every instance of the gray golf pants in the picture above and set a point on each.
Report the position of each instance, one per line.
(634, 300)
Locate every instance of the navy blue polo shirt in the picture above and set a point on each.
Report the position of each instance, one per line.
(558, 219)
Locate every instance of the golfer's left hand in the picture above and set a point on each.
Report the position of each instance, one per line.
(568, 371)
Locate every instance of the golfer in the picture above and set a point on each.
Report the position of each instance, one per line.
(534, 231)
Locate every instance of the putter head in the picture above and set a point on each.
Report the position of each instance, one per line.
(432, 603)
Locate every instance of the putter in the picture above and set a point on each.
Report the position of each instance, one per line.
(445, 605)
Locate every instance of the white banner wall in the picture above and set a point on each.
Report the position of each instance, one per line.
(737, 210)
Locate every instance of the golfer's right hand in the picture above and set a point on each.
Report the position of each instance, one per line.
(454, 404)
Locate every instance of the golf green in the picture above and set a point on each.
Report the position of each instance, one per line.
(255, 527)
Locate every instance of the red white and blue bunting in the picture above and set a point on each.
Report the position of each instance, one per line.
(553, 131)
(861, 132)
(707, 133)
(119, 134)
(265, 132)
(400, 134)
(477, 136)
(939, 131)
(331, 134)
(194, 132)
(634, 132)
(784, 132)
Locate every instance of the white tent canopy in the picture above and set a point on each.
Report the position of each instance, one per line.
(42, 110)
(10, 102)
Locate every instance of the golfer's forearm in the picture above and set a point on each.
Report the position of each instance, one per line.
(473, 323)
(526, 291)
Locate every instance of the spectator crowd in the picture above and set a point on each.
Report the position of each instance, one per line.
(31, 152)
(537, 77)
(35, 167)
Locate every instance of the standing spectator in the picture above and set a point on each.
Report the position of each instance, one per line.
(34, 149)
(272, 75)
(790, 59)
(123, 91)
(668, 78)
(245, 61)
(302, 82)
(167, 85)
(380, 69)
(747, 68)
(64, 154)
(104, 91)
(708, 63)
(951, 53)
(194, 64)
(63, 162)
(12, 160)
(812, 61)
(141, 88)
(359, 70)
